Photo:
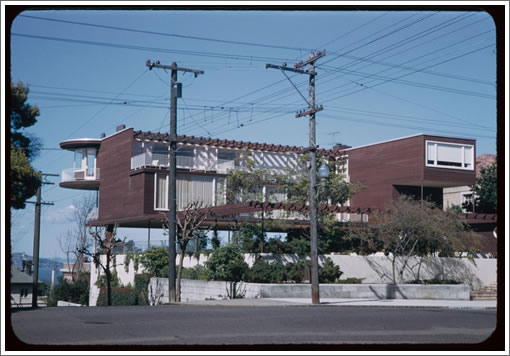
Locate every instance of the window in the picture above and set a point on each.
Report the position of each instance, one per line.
(226, 155)
(78, 159)
(161, 192)
(185, 151)
(91, 162)
(449, 155)
(188, 190)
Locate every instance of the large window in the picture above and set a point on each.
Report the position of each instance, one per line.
(449, 155)
(188, 189)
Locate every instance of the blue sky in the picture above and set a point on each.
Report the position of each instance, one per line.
(386, 75)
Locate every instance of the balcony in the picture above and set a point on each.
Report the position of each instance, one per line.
(80, 178)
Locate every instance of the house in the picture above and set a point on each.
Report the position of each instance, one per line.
(21, 287)
(457, 196)
(128, 169)
(71, 269)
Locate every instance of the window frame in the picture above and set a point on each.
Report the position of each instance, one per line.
(462, 152)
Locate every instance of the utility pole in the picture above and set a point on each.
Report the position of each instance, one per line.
(175, 92)
(312, 148)
(37, 235)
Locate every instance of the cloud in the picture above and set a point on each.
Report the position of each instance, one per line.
(58, 216)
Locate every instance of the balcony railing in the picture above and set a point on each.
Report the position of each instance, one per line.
(79, 174)
(186, 162)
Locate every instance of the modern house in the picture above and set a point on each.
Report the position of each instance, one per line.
(128, 169)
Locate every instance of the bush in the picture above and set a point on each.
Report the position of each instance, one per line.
(155, 261)
(329, 272)
(264, 272)
(141, 286)
(76, 292)
(120, 296)
(433, 281)
(198, 272)
(227, 264)
(350, 280)
(298, 271)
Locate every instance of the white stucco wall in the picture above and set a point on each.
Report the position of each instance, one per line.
(373, 269)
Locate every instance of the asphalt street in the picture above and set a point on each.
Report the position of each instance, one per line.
(251, 325)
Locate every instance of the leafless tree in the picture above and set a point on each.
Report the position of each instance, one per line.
(105, 241)
(77, 237)
(189, 223)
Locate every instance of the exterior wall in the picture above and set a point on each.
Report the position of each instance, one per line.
(454, 196)
(121, 195)
(381, 167)
(16, 294)
(216, 290)
(374, 269)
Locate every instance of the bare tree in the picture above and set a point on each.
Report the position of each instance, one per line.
(77, 237)
(105, 241)
(189, 222)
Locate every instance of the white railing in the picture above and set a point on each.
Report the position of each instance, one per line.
(160, 160)
(79, 174)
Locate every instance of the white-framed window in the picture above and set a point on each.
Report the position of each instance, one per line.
(449, 155)
(188, 189)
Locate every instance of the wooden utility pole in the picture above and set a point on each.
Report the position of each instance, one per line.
(312, 109)
(175, 92)
(37, 236)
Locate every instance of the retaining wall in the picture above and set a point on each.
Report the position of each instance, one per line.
(215, 290)
(374, 269)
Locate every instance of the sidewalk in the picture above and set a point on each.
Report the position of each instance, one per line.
(398, 303)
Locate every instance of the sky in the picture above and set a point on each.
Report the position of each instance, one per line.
(385, 75)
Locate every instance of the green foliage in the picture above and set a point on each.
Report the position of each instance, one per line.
(155, 261)
(215, 240)
(198, 272)
(24, 179)
(485, 191)
(141, 285)
(296, 271)
(350, 280)
(250, 238)
(329, 272)
(120, 296)
(434, 281)
(101, 280)
(267, 272)
(227, 264)
(22, 115)
(76, 292)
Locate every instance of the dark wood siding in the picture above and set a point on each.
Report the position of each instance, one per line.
(122, 195)
(381, 167)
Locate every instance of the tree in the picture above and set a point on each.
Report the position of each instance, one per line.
(155, 261)
(188, 229)
(414, 228)
(485, 191)
(105, 241)
(227, 264)
(77, 238)
(24, 179)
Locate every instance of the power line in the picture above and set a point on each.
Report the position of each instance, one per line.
(168, 34)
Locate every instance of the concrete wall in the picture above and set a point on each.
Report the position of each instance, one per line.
(216, 290)
(374, 269)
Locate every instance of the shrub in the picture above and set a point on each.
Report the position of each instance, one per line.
(329, 272)
(141, 287)
(227, 264)
(76, 292)
(120, 296)
(198, 272)
(433, 281)
(264, 272)
(296, 270)
(155, 261)
(350, 280)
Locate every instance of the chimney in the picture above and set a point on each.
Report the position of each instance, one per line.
(120, 127)
(103, 135)
(340, 147)
(28, 267)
